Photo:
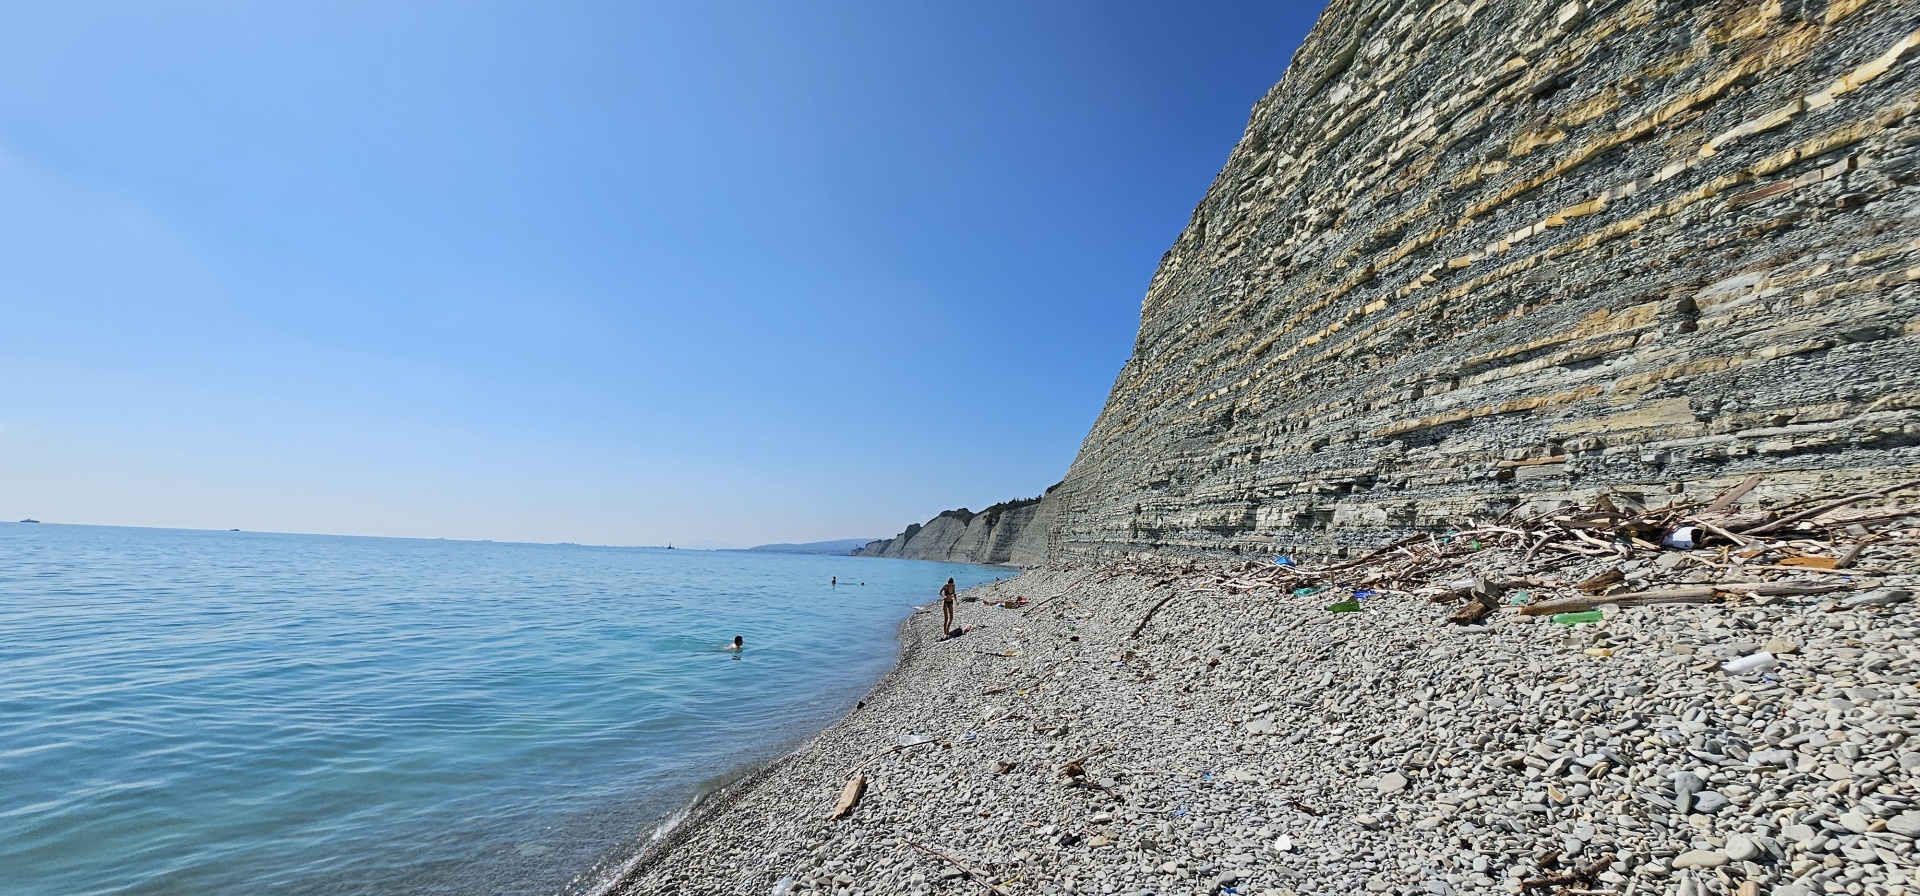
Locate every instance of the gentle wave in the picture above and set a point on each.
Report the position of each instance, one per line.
(202, 712)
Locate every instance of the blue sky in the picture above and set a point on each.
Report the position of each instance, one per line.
(620, 273)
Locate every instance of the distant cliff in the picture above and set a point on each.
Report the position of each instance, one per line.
(838, 547)
(1013, 533)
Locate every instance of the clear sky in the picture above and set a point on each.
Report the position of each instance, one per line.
(616, 273)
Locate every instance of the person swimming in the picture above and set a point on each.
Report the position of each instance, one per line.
(739, 643)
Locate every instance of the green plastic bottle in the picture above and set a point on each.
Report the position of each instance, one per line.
(1577, 618)
(1345, 606)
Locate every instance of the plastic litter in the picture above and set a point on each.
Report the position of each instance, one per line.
(1682, 539)
(783, 886)
(1308, 592)
(1364, 593)
(1518, 598)
(1754, 662)
(914, 740)
(1577, 618)
(1284, 561)
(1345, 606)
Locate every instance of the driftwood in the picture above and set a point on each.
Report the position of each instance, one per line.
(1820, 570)
(1878, 515)
(1544, 538)
(1077, 767)
(971, 874)
(1608, 578)
(849, 797)
(1379, 551)
(1786, 521)
(1149, 617)
(1739, 540)
(1697, 595)
(1583, 874)
(1733, 495)
(896, 748)
(857, 785)
(1062, 592)
(1472, 611)
(1483, 598)
(1613, 525)
(1808, 562)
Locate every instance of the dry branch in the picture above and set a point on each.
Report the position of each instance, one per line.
(973, 875)
(1701, 594)
(1783, 522)
(1149, 617)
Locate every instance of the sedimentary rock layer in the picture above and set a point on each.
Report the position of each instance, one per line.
(1474, 253)
(1012, 533)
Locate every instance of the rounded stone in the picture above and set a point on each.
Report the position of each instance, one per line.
(1700, 858)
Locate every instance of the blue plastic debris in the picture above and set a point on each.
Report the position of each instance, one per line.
(1284, 561)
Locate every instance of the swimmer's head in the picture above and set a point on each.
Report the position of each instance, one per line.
(739, 641)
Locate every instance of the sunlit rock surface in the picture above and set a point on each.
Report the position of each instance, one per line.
(1012, 533)
(1471, 255)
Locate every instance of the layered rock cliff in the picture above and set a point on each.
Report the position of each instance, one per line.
(1013, 533)
(1472, 254)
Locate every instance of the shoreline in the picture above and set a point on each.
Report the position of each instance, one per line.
(1179, 728)
(706, 808)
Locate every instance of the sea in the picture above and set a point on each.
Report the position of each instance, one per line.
(191, 712)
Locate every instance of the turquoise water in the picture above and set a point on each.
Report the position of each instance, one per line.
(208, 712)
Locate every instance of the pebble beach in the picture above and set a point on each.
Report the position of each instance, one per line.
(1252, 742)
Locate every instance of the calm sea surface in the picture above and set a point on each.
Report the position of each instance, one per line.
(212, 712)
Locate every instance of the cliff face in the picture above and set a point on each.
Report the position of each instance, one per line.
(1470, 254)
(1013, 533)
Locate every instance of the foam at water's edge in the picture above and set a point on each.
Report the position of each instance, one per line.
(602, 883)
(677, 827)
(606, 881)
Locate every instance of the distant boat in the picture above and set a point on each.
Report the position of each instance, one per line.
(29, 521)
(233, 530)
